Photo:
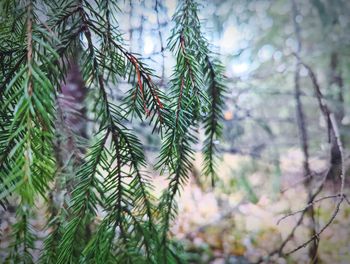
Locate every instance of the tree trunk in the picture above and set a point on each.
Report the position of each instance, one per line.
(304, 137)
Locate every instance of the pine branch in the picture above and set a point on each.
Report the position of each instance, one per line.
(84, 199)
(23, 239)
(27, 154)
(146, 98)
(187, 98)
(35, 54)
(213, 127)
(125, 150)
(189, 101)
(55, 225)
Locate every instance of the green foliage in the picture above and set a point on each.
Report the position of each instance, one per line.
(23, 234)
(190, 105)
(212, 122)
(111, 181)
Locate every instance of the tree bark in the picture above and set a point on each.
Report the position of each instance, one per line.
(336, 81)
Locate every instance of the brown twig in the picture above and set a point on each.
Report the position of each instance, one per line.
(145, 76)
(307, 206)
(316, 236)
(333, 127)
(279, 250)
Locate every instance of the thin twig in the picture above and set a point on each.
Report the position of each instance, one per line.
(279, 251)
(307, 206)
(316, 236)
(333, 127)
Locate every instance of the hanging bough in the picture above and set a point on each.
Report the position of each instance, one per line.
(110, 177)
(139, 81)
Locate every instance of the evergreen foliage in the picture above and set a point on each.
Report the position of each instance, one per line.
(38, 39)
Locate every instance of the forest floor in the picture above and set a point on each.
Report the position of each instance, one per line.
(236, 222)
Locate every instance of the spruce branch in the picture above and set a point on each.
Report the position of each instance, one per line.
(124, 151)
(84, 199)
(187, 98)
(212, 122)
(189, 103)
(35, 54)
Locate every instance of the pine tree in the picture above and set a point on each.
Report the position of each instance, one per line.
(38, 40)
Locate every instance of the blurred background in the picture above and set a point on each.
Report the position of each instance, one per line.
(262, 175)
(276, 149)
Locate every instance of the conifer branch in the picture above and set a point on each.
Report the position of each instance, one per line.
(189, 100)
(125, 150)
(35, 55)
(212, 126)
